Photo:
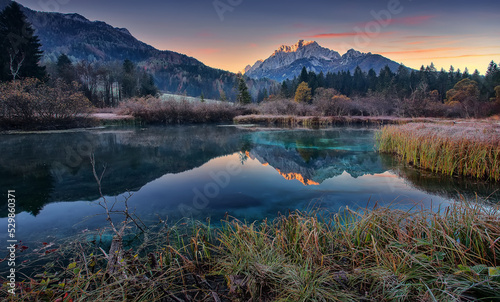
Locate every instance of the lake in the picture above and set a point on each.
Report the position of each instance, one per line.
(206, 172)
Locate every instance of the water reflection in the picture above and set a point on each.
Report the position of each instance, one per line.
(206, 171)
(314, 156)
(51, 167)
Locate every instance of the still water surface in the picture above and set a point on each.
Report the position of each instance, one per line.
(206, 171)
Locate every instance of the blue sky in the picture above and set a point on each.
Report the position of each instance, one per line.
(229, 34)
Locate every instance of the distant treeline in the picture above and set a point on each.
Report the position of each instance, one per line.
(398, 85)
(407, 92)
(105, 84)
(20, 54)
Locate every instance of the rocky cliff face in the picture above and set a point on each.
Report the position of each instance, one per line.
(286, 55)
(287, 61)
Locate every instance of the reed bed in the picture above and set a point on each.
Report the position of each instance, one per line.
(465, 149)
(373, 255)
(294, 120)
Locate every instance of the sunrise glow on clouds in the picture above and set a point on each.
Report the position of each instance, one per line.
(415, 33)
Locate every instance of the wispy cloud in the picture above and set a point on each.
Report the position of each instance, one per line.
(425, 37)
(405, 21)
(416, 42)
(348, 34)
(470, 56)
(428, 40)
(334, 35)
(297, 30)
(420, 51)
(205, 34)
(413, 20)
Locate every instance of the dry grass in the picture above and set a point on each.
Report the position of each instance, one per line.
(382, 255)
(293, 120)
(157, 111)
(378, 255)
(469, 149)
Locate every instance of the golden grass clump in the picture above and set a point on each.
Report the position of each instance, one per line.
(381, 254)
(468, 149)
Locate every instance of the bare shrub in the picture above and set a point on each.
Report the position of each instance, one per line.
(329, 102)
(306, 110)
(421, 102)
(279, 107)
(286, 107)
(369, 105)
(30, 102)
(157, 111)
(436, 109)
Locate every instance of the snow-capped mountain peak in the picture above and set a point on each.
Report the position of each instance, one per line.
(351, 53)
(296, 46)
(286, 55)
(288, 61)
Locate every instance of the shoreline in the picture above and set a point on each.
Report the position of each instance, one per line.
(329, 120)
(379, 254)
(111, 116)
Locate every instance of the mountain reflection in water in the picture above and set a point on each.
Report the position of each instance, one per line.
(207, 171)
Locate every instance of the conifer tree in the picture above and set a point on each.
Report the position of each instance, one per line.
(304, 76)
(492, 69)
(129, 81)
(243, 94)
(148, 86)
(284, 90)
(20, 52)
(497, 93)
(223, 96)
(493, 74)
(65, 69)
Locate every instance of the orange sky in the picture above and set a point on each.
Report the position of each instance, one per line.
(239, 32)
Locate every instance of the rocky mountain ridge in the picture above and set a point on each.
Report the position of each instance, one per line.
(287, 61)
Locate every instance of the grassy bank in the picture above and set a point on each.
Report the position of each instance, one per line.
(293, 120)
(468, 149)
(381, 255)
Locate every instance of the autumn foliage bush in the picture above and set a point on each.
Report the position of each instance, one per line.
(29, 103)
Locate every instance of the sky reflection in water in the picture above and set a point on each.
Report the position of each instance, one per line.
(209, 171)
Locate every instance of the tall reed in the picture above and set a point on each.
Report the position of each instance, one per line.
(469, 149)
